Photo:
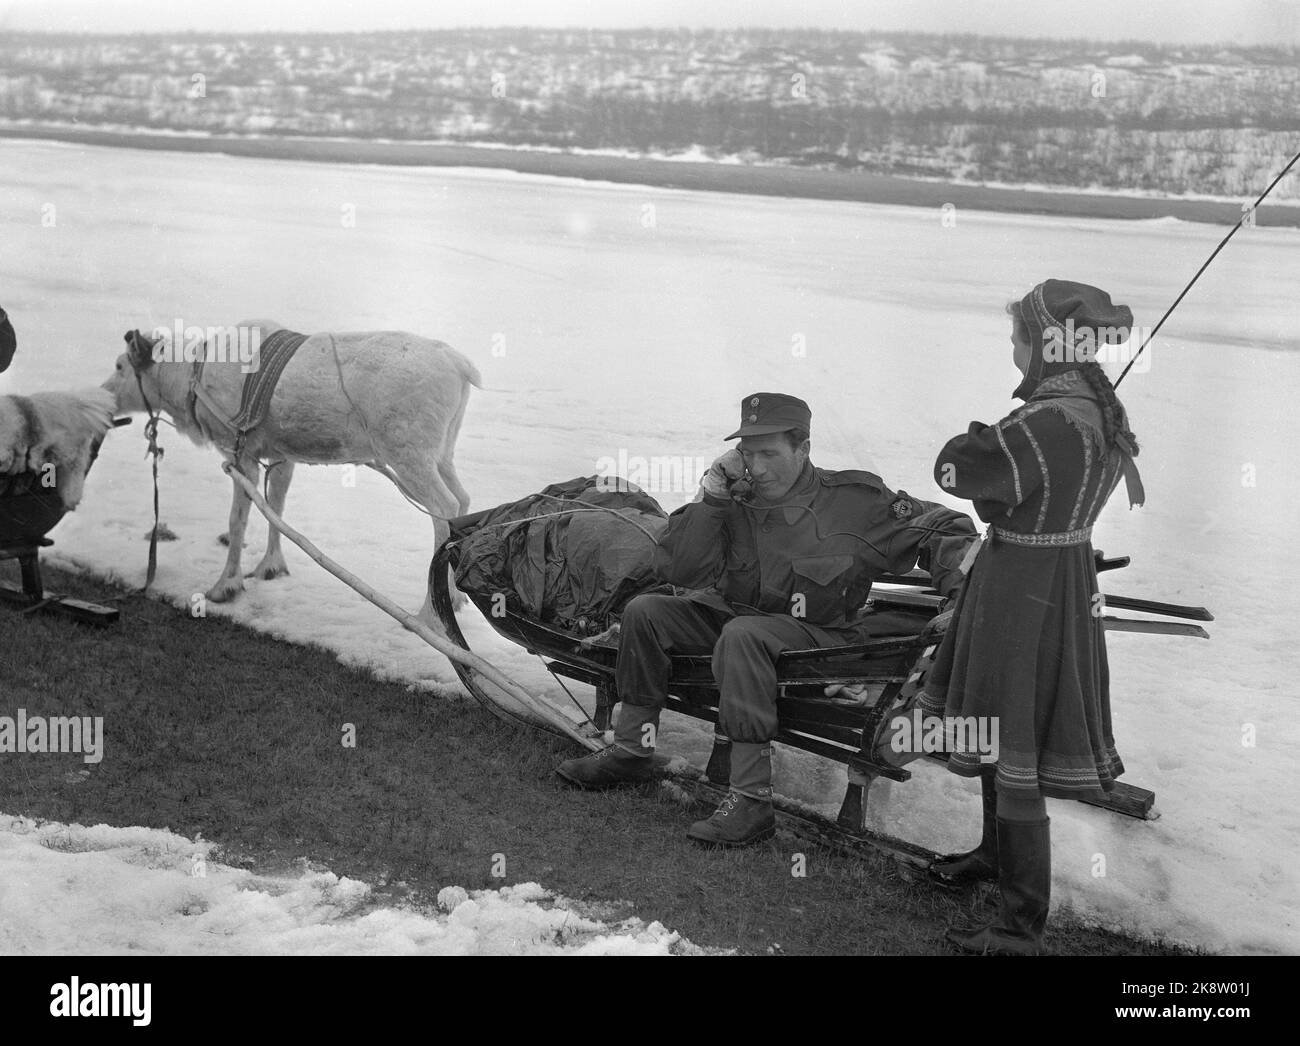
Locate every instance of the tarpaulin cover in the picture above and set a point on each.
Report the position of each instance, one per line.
(570, 556)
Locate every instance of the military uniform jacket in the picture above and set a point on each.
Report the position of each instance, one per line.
(813, 555)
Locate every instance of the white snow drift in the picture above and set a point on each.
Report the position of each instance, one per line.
(69, 889)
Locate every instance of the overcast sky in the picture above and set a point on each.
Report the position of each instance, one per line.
(1164, 21)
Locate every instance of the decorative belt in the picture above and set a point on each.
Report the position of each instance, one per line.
(1060, 538)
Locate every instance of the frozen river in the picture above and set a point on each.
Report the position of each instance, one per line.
(622, 319)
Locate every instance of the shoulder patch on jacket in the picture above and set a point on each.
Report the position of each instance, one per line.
(847, 476)
(903, 506)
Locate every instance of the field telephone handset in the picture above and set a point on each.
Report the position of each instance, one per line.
(721, 474)
(742, 489)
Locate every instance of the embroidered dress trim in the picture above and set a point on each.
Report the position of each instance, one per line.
(1059, 538)
(1106, 482)
(1015, 471)
(1087, 475)
(1059, 382)
(1092, 439)
(1068, 381)
(1047, 479)
(1055, 778)
(1045, 319)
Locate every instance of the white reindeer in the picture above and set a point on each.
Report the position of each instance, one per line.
(387, 399)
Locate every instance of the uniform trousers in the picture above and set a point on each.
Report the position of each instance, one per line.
(745, 649)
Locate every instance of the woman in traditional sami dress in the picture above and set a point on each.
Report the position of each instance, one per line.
(1026, 644)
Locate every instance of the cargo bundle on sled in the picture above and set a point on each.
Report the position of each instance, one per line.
(552, 573)
(38, 487)
(48, 441)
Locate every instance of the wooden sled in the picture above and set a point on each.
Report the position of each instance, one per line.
(890, 669)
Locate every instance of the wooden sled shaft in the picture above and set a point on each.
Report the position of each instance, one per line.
(407, 620)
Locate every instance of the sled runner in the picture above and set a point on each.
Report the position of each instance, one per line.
(517, 580)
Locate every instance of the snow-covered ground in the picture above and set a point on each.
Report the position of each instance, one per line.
(69, 889)
(610, 318)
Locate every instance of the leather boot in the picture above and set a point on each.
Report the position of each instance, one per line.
(746, 815)
(1025, 880)
(954, 871)
(625, 762)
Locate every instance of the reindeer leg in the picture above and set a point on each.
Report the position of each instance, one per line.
(421, 479)
(447, 471)
(231, 582)
(279, 475)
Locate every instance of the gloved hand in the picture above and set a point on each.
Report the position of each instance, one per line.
(850, 691)
(724, 471)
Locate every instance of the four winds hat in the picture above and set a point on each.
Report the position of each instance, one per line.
(1066, 322)
(764, 413)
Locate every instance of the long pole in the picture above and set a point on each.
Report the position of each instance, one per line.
(1222, 243)
(409, 621)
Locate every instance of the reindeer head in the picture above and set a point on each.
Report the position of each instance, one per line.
(135, 369)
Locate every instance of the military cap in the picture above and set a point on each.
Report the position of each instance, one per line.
(764, 413)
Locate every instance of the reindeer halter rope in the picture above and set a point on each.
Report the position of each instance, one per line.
(134, 341)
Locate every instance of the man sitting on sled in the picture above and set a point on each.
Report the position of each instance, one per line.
(777, 555)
